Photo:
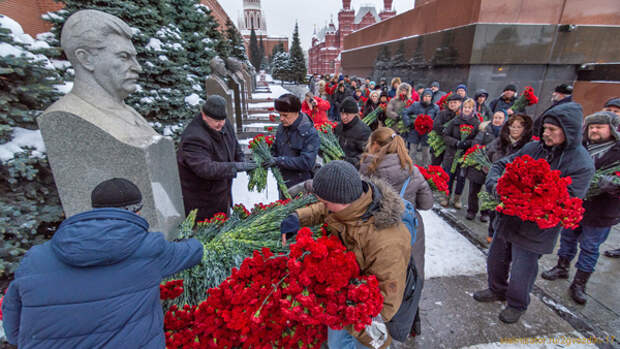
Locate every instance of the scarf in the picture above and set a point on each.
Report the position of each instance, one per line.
(496, 130)
(597, 150)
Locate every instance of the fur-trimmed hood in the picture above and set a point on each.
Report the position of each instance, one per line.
(387, 207)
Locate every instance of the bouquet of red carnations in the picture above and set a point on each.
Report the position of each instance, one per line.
(436, 177)
(443, 101)
(260, 146)
(330, 147)
(527, 98)
(372, 116)
(476, 157)
(423, 124)
(281, 301)
(530, 190)
(465, 131)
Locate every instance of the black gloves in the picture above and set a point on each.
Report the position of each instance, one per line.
(245, 166)
(461, 145)
(289, 227)
(270, 163)
(608, 186)
(303, 187)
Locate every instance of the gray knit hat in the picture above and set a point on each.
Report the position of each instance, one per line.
(215, 107)
(601, 118)
(338, 182)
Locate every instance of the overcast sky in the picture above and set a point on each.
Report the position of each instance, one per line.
(282, 14)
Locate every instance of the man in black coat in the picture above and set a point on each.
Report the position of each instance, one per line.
(506, 100)
(602, 211)
(209, 157)
(441, 121)
(517, 244)
(562, 94)
(297, 141)
(352, 133)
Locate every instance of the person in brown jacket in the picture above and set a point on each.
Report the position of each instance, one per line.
(366, 215)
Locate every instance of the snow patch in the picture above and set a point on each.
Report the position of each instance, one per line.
(193, 99)
(170, 129)
(147, 100)
(573, 340)
(60, 64)
(163, 58)
(64, 88)
(154, 44)
(448, 253)
(22, 138)
(241, 194)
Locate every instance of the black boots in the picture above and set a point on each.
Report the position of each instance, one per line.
(560, 271)
(613, 253)
(510, 315)
(487, 295)
(578, 287)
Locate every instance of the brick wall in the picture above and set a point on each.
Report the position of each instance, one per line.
(28, 14)
(218, 12)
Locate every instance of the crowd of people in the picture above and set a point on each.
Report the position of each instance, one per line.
(363, 199)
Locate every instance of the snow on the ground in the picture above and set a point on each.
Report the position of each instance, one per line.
(241, 194)
(260, 125)
(573, 340)
(22, 138)
(448, 253)
(276, 91)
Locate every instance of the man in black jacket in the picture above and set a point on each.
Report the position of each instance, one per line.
(517, 244)
(506, 100)
(297, 141)
(352, 132)
(562, 94)
(602, 210)
(441, 121)
(209, 157)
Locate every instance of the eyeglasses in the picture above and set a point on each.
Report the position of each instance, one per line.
(515, 127)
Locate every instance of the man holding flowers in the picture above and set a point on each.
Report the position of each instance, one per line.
(518, 244)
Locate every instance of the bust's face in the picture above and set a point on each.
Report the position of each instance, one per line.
(116, 68)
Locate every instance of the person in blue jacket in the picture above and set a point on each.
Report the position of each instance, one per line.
(95, 284)
(297, 141)
(419, 143)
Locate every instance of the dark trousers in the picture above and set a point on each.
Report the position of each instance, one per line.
(436, 160)
(589, 239)
(491, 223)
(472, 199)
(458, 176)
(508, 259)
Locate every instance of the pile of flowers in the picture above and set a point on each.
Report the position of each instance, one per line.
(611, 170)
(241, 211)
(527, 98)
(530, 190)
(465, 131)
(171, 289)
(436, 177)
(217, 218)
(477, 158)
(283, 301)
(260, 146)
(423, 124)
(330, 147)
(372, 117)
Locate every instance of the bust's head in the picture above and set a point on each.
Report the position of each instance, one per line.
(218, 66)
(99, 47)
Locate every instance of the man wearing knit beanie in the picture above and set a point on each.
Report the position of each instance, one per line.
(352, 132)
(613, 105)
(505, 100)
(366, 216)
(562, 94)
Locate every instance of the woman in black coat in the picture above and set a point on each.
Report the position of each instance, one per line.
(371, 104)
(515, 133)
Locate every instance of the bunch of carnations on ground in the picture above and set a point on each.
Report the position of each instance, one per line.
(527, 98)
(436, 177)
(260, 146)
(530, 190)
(423, 124)
(477, 158)
(465, 131)
(281, 301)
(330, 147)
(612, 170)
(372, 116)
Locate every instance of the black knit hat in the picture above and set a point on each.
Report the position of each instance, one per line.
(565, 89)
(338, 182)
(215, 107)
(288, 103)
(510, 87)
(551, 119)
(454, 97)
(613, 102)
(427, 91)
(115, 192)
(384, 94)
(435, 84)
(349, 105)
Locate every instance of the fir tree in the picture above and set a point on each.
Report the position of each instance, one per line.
(261, 48)
(235, 40)
(255, 55)
(281, 68)
(297, 60)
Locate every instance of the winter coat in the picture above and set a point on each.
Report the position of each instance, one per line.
(338, 97)
(370, 227)
(442, 118)
(295, 149)
(484, 137)
(603, 210)
(502, 146)
(571, 159)
(95, 284)
(538, 122)
(452, 135)
(353, 138)
(206, 169)
(395, 108)
(418, 192)
(409, 116)
(500, 103)
(318, 114)
(483, 109)
(369, 108)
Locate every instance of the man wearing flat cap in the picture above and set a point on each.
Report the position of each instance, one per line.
(209, 158)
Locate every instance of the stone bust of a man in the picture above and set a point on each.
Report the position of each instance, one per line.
(99, 47)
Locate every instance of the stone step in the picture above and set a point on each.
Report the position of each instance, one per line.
(258, 117)
(260, 100)
(259, 127)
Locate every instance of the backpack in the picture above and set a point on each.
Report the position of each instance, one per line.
(409, 217)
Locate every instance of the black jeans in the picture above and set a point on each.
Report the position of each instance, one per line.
(506, 259)
(472, 199)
